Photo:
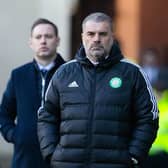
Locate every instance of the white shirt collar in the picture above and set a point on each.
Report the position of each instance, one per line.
(47, 67)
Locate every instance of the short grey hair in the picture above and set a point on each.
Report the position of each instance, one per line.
(98, 17)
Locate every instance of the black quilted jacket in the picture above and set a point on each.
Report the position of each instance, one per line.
(97, 116)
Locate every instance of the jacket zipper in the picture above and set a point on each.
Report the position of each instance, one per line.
(43, 81)
(91, 114)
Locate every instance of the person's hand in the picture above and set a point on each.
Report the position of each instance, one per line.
(135, 163)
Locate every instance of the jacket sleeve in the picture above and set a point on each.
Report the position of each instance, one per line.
(48, 122)
(145, 112)
(8, 112)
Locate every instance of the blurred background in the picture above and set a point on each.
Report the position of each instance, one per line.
(140, 27)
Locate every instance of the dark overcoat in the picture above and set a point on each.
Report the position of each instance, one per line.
(18, 113)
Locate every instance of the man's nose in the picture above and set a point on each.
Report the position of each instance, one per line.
(97, 37)
(43, 40)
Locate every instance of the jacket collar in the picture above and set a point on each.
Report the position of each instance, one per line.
(57, 62)
(115, 56)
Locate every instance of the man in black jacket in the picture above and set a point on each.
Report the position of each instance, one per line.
(99, 110)
(25, 94)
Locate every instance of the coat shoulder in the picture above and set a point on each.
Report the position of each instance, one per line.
(23, 67)
(67, 67)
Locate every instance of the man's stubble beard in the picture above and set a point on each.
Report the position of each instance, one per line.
(99, 56)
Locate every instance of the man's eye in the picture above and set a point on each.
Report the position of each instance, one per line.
(38, 37)
(90, 34)
(103, 33)
(49, 36)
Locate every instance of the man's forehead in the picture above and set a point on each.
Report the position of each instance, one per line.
(43, 28)
(96, 26)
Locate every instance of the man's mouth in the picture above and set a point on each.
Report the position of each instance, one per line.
(43, 49)
(96, 47)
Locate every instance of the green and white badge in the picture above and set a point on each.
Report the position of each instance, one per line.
(115, 82)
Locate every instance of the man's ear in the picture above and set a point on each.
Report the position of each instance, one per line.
(30, 42)
(58, 41)
(81, 35)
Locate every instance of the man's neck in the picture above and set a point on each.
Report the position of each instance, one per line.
(45, 62)
(94, 62)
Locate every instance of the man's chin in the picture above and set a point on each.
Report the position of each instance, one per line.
(45, 56)
(98, 57)
(98, 54)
